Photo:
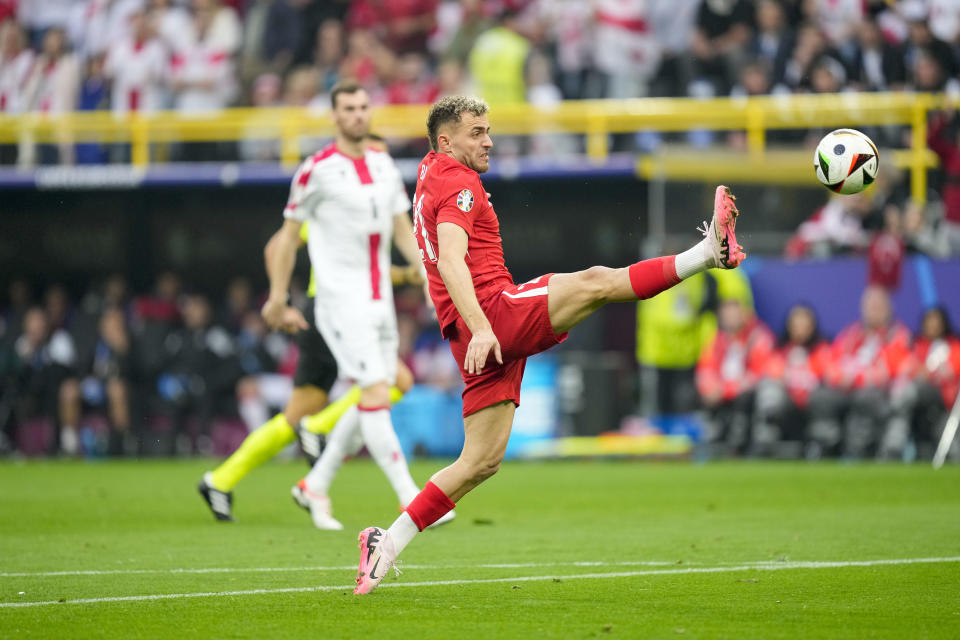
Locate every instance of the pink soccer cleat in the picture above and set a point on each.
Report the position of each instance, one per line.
(721, 239)
(376, 559)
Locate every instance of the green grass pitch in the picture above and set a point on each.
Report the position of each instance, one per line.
(547, 550)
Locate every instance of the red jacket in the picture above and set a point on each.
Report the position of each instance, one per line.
(801, 369)
(734, 363)
(868, 358)
(943, 146)
(938, 363)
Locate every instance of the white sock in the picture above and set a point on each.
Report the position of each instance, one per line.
(382, 443)
(402, 531)
(693, 260)
(321, 476)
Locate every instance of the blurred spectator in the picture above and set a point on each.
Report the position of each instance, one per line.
(625, 50)
(107, 373)
(498, 60)
(450, 80)
(171, 24)
(838, 20)
(94, 25)
(198, 375)
(16, 62)
(238, 302)
(926, 73)
(330, 50)
(404, 24)
(944, 139)
(46, 368)
(827, 75)
(944, 20)
(154, 317)
(837, 227)
(202, 74)
(723, 31)
(925, 230)
(301, 88)
(137, 68)
(94, 96)
(473, 20)
(281, 34)
(56, 304)
(673, 23)
(921, 40)
(260, 143)
(878, 65)
(728, 371)
(367, 61)
(773, 40)
(217, 25)
(809, 49)
(886, 252)
(413, 84)
(51, 87)
(866, 356)
(927, 386)
(793, 388)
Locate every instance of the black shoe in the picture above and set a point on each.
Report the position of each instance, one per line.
(220, 502)
(311, 443)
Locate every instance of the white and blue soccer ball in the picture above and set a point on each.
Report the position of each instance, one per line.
(846, 161)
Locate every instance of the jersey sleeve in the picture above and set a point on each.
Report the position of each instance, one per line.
(303, 193)
(461, 199)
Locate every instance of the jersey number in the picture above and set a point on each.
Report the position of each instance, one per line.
(418, 227)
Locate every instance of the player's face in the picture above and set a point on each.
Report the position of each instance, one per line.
(470, 142)
(352, 115)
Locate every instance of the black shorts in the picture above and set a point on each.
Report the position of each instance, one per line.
(316, 366)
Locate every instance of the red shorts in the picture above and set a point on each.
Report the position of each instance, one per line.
(521, 322)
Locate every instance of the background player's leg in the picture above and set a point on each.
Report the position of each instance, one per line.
(326, 420)
(341, 439)
(382, 442)
(268, 440)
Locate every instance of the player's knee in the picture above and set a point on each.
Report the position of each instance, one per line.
(375, 396)
(486, 469)
(597, 282)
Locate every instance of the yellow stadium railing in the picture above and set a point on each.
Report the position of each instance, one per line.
(595, 119)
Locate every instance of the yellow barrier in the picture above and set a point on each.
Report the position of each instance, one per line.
(595, 119)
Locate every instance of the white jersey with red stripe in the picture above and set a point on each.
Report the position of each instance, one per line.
(350, 204)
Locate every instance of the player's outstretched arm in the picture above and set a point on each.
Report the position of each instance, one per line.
(280, 255)
(452, 249)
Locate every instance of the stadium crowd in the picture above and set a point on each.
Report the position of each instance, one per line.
(143, 55)
(118, 374)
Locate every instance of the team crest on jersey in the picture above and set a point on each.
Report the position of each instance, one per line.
(465, 200)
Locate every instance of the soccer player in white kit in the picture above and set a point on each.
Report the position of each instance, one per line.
(354, 199)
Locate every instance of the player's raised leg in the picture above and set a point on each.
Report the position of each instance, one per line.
(574, 296)
(485, 441)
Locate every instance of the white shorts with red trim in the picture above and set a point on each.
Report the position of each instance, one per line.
(363, 339)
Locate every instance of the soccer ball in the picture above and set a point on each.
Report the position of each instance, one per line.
(846, 161)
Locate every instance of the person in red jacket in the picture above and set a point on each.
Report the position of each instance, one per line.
(729, 369)
(793, 388)
(926, 387)
(944, 140)
(866, 357)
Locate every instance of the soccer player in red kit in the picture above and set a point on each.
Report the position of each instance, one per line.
(492, 324)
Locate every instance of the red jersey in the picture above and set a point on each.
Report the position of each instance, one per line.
(938, 362)
(448, 191)
(868, 358)
(734, 363)
(800, 368)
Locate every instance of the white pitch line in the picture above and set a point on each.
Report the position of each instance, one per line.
(519, 565)
(437, 583)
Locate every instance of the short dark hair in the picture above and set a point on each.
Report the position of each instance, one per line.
(344, 86)
(448, 110)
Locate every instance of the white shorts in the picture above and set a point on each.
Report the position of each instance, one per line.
(363, 339)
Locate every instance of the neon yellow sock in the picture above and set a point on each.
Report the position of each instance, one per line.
(324, 421)
(257, 448)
